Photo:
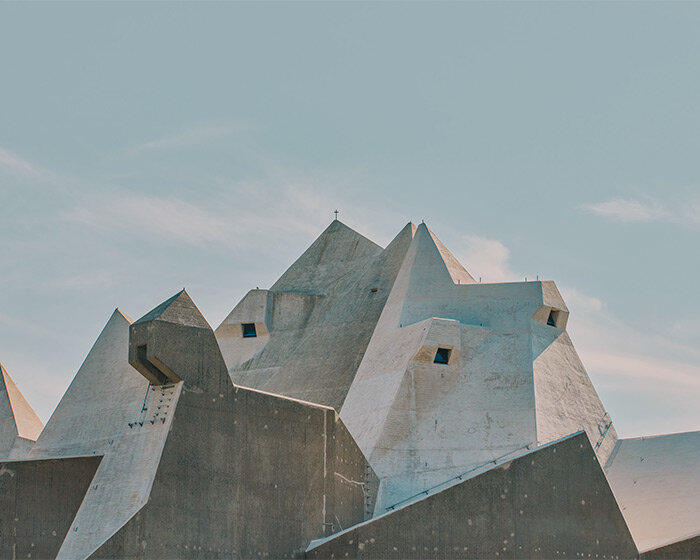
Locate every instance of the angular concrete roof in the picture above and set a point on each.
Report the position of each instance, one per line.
(355, 327)
(438, 384)
(334, 251)
(179, 309)
(17, 418)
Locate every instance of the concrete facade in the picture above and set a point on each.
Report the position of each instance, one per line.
(372, 403)
(553, 502)
(38, 500)
(357, 328)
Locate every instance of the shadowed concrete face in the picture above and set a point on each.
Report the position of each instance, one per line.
(243, 473)
(38, 500)
(551, 503)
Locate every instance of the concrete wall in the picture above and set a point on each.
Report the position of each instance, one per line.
(550, 503)
(38, 500)
(243, 473)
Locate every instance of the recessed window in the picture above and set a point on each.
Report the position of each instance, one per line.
(442, 356)
(249, 330)
(553, 316)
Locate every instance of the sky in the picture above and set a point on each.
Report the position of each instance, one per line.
(147, 147)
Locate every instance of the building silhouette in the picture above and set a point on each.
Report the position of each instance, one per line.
(373, 403)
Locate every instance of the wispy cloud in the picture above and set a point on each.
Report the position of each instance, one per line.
(243, 215)
(647, 209)
(582, 302)
(485, 258)
(12, 163)
(187, 138)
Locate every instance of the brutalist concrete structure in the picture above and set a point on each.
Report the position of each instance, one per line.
(373, 403)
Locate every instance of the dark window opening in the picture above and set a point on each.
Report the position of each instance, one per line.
(249, 330)
(442, 356)
(552, 319)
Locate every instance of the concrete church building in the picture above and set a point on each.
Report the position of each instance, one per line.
(373, 403)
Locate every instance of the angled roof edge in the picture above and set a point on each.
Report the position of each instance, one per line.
(27, 423)
(178, 309)
(423, 495)
(459, 274)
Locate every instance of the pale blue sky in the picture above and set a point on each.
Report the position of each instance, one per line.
(147, 147)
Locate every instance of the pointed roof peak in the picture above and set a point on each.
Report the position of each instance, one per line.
(119, 313)
(27, 423)
(179, 309)
(326, 258)
(403, 238)
(457, 271)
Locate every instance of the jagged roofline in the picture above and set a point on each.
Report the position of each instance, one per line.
(27, 423)
(347, 245)
(353, 245)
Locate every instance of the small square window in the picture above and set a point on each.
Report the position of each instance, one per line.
(442, 356)
(552, 319)
(249, 330)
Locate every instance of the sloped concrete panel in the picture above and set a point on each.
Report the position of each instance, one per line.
(565, 398)
(38, 500)
(656, 480)
(107, 410)
(550, 503)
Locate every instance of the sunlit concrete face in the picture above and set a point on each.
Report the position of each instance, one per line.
(358, 328)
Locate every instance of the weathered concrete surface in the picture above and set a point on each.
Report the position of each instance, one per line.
(195, 466)
(320, 316)
(19, 424)
(565, 399)
(243, 473)
(107, 410)
(656, 481)
(512, 380)
(353, 327)
(38, 500)
(554, 502)
(686, 549)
